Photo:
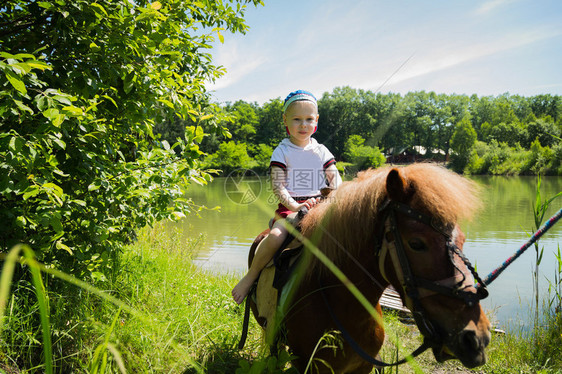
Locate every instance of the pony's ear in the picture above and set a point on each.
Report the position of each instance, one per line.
(397, 188)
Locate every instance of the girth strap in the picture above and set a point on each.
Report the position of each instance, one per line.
(246, 322)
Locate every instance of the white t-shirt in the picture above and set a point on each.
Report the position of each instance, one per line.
(305, 167)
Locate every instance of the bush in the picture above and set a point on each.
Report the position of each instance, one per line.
(81, 88)
(497, 159)
(261, 154)
(230, 156)
(462, 141)
(362, 156)
(541, 158)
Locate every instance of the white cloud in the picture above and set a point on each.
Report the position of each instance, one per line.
(489, 6)
(238, 63)
(439, 58)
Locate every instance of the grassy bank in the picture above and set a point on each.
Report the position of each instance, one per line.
(182, 320)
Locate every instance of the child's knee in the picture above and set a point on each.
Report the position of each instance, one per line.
(279, 229)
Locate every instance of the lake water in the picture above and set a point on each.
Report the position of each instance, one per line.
(496, 233)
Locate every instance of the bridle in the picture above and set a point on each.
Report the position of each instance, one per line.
(416, 288)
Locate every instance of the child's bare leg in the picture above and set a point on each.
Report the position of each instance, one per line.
(264, 253)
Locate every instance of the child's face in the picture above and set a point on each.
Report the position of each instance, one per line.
(301, 119)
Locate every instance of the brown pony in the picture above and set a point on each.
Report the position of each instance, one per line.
(368, 228)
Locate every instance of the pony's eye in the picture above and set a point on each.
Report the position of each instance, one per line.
(417, 245)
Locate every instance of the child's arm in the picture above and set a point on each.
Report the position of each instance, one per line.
(280, 190)
(333, 176)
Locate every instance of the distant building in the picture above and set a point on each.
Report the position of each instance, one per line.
(407, 155)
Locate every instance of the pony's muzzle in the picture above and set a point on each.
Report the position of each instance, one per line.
(470, 348)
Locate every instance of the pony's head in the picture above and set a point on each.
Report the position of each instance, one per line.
(403, 225)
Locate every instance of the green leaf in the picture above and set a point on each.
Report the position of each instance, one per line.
(128, 82)
(55, 116)
(53, 187)
(80, 202)
(54, 192)
(94, 47)
(16, 82)
(45, 4)
(99, 8)
(51, 113)
(73, 110)
(23, 107)
(21, 221)
(98, 276)
(56, 224)
(59, 142)
(15, 144)
(63, 99)
(39, 65)
(168, 103)
(110, 99)
(31, 191)
(7, 55)
(21, 68)
(61, 245)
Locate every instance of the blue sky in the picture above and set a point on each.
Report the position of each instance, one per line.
(483, 47)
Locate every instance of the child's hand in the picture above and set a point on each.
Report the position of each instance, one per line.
(310, 202)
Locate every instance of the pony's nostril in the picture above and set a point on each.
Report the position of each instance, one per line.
(468, 340)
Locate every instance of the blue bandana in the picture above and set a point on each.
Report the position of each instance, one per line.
(299, 95)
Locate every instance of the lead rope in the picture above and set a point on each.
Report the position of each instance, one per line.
(496, 272)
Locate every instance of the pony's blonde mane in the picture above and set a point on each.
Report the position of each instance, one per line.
(344, 223)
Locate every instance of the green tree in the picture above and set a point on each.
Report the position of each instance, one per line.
(546, 105)
(243, 121)
(481, 110)
(230, 156)
(504, 110)
(541, 158)
(511, 133)
(270, 129)
(544, 130)
(462, 141)
(362, 156)
(261, 154)
(82, 85)
(381, 117)
(339, 118)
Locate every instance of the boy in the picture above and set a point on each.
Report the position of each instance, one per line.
(300, 167)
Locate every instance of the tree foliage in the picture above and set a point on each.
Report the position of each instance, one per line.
(82, 86)
(462, 141)
(444, 125)
(230, 156)
(361, 155)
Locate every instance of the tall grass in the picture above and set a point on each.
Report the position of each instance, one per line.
(158, 314)
(42, 300)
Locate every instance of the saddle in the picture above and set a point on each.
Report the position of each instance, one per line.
(272, 280)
